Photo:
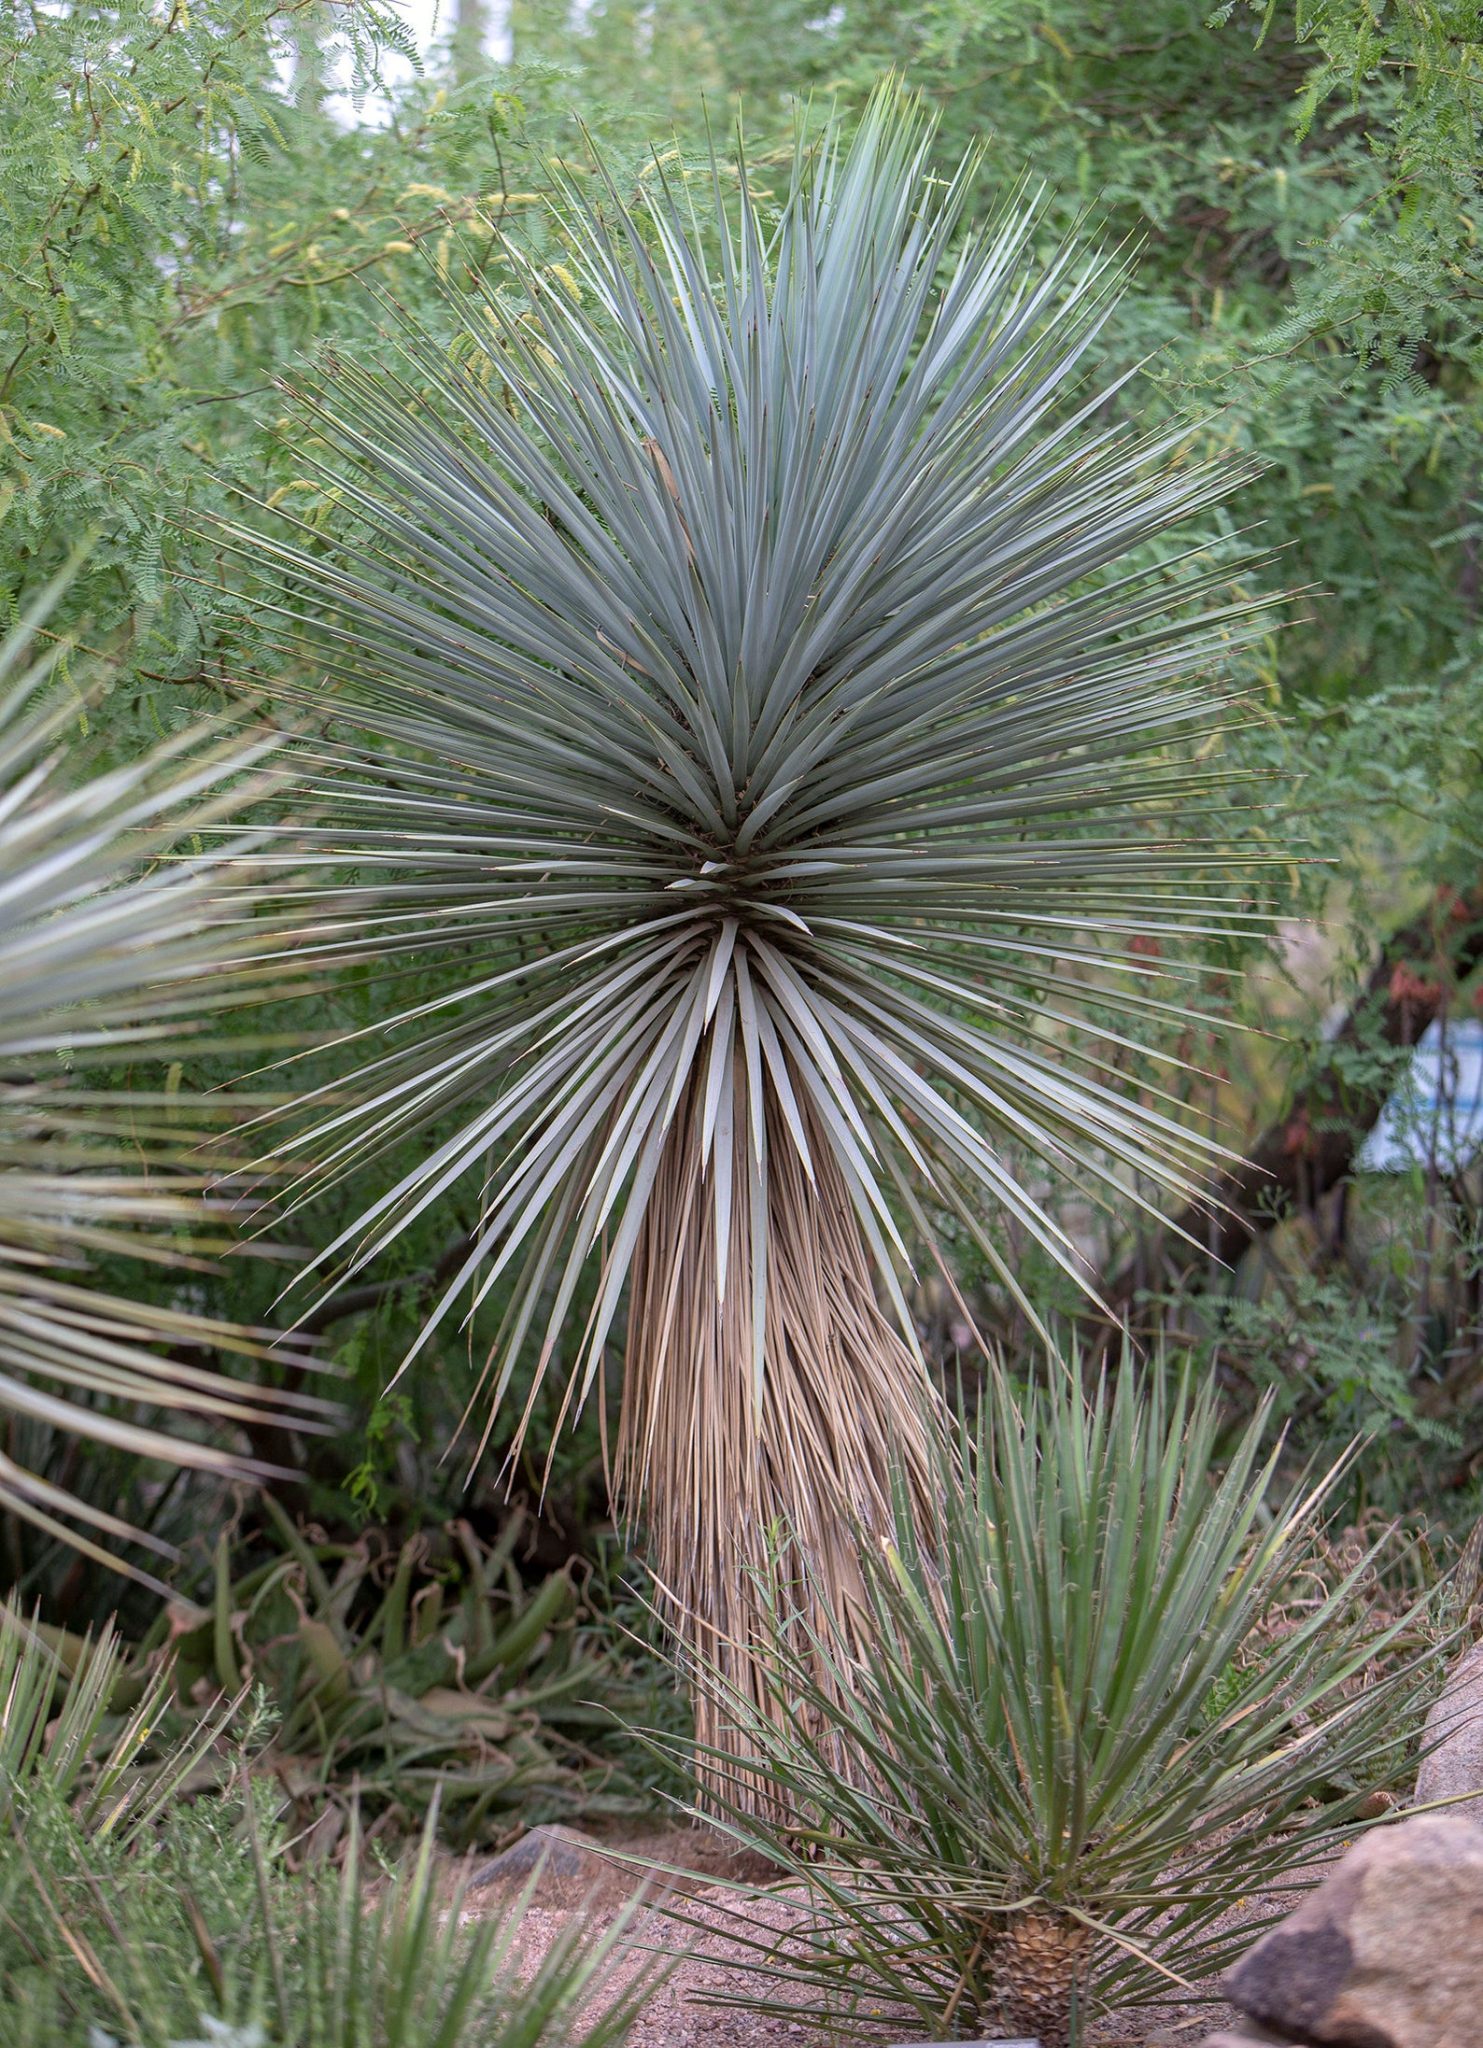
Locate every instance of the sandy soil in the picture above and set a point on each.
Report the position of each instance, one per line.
(596, 1886)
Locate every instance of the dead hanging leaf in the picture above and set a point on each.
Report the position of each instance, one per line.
(667, 477)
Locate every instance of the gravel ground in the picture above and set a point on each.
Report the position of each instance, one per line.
(596, 1887)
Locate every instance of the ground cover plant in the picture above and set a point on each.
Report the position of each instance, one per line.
(1114, 1687)
(138, 1913)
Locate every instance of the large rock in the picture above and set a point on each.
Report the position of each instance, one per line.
(1453, 1740)
(558, 1851)
(1386, 1953)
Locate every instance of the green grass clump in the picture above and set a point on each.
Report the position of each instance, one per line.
(138, 1914)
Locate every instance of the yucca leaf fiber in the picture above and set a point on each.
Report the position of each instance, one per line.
(745, 661)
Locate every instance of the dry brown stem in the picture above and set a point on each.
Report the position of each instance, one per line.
(726, 1467)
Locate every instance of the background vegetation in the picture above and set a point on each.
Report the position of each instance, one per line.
(195, 200)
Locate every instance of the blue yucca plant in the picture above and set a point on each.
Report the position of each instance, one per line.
(748, 664)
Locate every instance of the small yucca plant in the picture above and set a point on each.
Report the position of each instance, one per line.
(118, 923)
(750, 671)
(1109, 1694)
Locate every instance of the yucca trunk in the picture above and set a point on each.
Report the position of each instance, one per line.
(1043, 1967)
(757, 1473)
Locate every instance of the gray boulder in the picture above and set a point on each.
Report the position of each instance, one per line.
(1387, 1952)
(1452, 1767)
(1245, 2035)
(558, 1851)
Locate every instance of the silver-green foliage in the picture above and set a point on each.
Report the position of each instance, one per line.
(119, 928)
(119, 923)
(758, 678)
(1116, 1689)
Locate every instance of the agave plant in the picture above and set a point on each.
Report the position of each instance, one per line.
(750, 670)
(1111, 1690)
(117, 921)
(421, 1687)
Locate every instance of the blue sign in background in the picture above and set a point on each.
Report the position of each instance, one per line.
(1436, 1112)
